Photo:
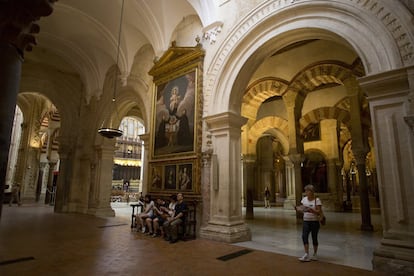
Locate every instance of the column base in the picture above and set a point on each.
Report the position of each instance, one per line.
(101, 212)
(394, 260)
(226, 233)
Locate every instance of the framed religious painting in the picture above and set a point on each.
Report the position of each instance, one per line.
(176, 126)
(176, 176)
(175, 117)
(177, 105)
(157, 177)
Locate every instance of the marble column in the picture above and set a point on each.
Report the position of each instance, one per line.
(249, 165)
(226, 223)
(16, 36)
(390, 95)
(360, 149)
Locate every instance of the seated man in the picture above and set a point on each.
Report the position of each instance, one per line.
(171, 225)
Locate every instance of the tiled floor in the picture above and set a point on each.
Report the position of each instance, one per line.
(36, 241)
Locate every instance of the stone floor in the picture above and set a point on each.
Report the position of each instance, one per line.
(36, 241)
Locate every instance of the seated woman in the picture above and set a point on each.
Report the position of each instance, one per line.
(157, 212)
(164, 213)
(148, 212)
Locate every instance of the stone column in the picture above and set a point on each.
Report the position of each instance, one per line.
(100, 193)
(390, 97)
(360, 149)
(332, 176)
(296, 160)
(144, 181)
(226, 223)
(249, 165)
(65, 174)
(293, 102)
(16, 35)
(10, 71)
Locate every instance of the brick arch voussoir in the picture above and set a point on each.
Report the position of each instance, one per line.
(317, 115)
(266, 123)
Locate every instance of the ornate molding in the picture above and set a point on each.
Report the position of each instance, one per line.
(377, 8)
(211, 32)
(410, 121)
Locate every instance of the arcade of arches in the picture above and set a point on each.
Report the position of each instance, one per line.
(293, 93)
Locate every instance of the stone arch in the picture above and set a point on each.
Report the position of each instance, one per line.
(258, 92)
(322, 113)
(321, 73)
(261, 126)
(272, 28)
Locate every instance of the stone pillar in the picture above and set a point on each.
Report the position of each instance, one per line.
(332, 176)
(65, 174)
(146, 139)
(249, 165)
(360, 157)
(360, 149)
(10, 71)
(50, 191)
(390, 97)
(100, 193)
(338, 204)
(226, 223)
(296, 160)
(290, 184)
(16, 35)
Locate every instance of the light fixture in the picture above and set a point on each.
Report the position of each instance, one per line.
(110, 131)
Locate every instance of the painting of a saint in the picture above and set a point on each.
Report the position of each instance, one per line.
(170, 177)
(175, 116)
(185, 177)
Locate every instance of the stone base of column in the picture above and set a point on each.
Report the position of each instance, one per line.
(226, 233)
(101, 212)
(394, 260)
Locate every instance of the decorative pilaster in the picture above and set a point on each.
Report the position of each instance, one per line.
(99, 195)
(206, 178)
(389, 100)
(226, 223)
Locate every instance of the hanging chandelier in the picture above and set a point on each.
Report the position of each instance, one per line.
(109, 131)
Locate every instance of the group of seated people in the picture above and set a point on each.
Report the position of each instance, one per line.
(161, 218)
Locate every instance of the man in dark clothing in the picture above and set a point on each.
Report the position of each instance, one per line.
(171, 225)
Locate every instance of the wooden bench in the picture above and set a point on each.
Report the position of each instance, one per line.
(139, 207)
(187, 231)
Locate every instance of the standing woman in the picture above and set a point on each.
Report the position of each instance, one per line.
(311, 208)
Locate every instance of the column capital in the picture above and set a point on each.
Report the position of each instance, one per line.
(224, 121)
(17, 19)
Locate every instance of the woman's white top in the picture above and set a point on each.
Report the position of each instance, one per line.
(308, 216)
